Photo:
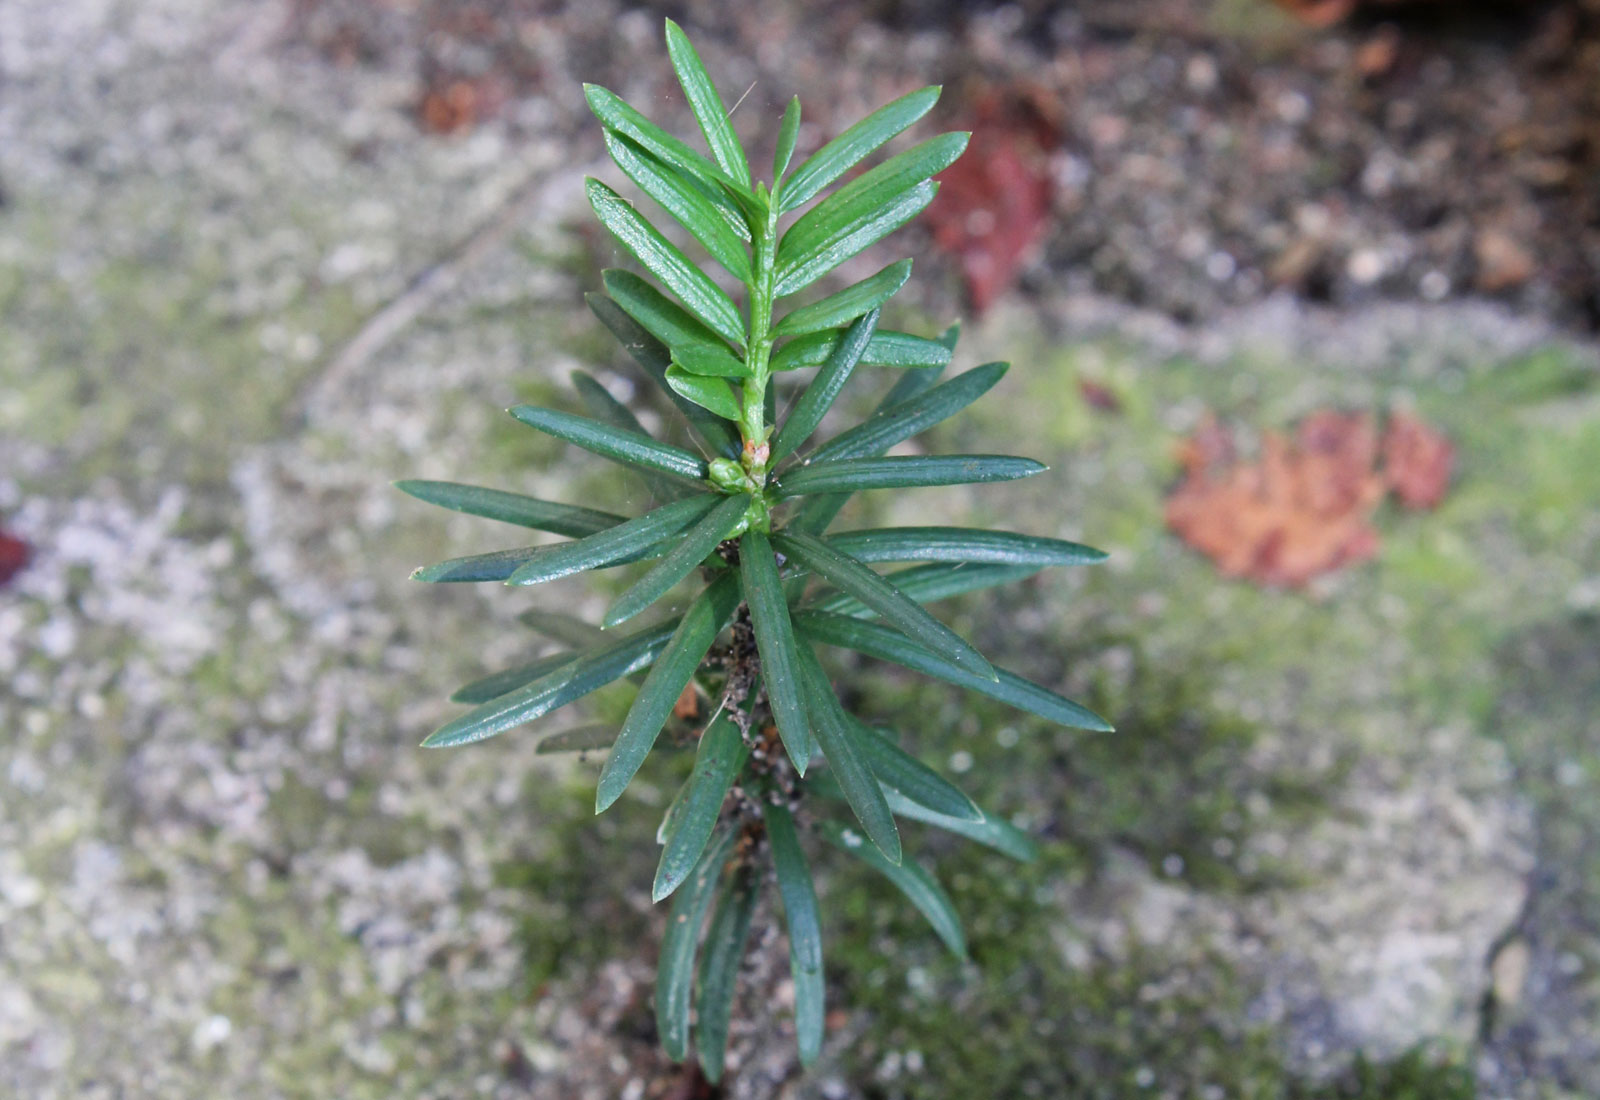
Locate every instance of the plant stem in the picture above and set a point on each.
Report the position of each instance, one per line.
(752, 415)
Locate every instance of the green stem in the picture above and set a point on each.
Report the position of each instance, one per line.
(753, 428)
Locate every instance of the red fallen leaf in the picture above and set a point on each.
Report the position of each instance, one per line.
(1417, 461)
(14, 555)
(994, 203)
(1098, 397)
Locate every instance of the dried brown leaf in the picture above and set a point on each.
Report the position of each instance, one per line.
(1302, 510)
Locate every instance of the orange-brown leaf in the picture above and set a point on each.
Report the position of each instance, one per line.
(687, 708)
(1417, 461)
(1302, 510)
(1306, 506)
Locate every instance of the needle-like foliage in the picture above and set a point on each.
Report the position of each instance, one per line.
(737, 675)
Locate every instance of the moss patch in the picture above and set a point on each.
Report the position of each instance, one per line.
(1020, 1021)
(1227, 697)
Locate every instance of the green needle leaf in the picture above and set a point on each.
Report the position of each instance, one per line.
(615, 114)
(588, 673)
(624, 542)
(541, 515)
(876, 640)
(654, 358)
(663, 259)
(690, 551)
(629, 448)
(707, 105)
(673, 668)
(717, 762)
(919, 887)
(799, 268)
(497, 684)
(841, 748)
(805, 928)
(709, 360)
(961, 544)
(840, 215)
(675, 972)
(578, 739)
(663, 318)
(788, 130)
(884, 429)
(898, 769)
(669, 820)
(719, 967)
(849, 575)
(818, 397)
(499, 565)
(845, 306)
(712, 225)
(602, 406)
(992, 832)
(558, 626)
(904, 472)
(855, 144)
(780, 661)
(913, 383)
(927, 583)
(886, 349)
(815, 513)
(712, 394)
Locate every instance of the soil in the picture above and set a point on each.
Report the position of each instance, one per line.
(1209, 153)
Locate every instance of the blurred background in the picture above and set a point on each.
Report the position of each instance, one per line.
(1302, 301)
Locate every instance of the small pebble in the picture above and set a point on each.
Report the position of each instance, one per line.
(211, 1033)
(1365, 267)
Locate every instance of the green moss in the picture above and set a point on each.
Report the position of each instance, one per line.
(574, 916)
(1173, 782)
(166, 380)
(1042, 1030)
(308, 819)
(1170, 785)
(1020, 1022)
(1546, 718)
(1384, 649)
(1415, 1075)
(1447, 586)
(1270, 31)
